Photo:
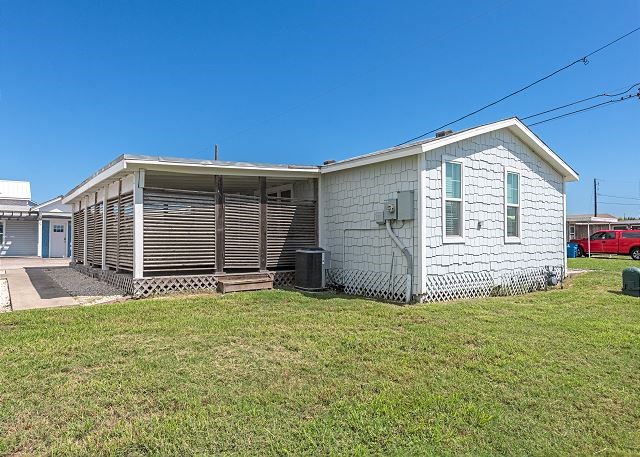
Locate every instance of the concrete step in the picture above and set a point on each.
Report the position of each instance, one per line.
(245, 282)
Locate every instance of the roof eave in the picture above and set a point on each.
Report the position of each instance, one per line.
(132, 164)
(530, 138)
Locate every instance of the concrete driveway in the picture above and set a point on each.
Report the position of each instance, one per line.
(31, 284)
(12, 263)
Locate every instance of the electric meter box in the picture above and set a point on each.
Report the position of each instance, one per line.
(405, 211)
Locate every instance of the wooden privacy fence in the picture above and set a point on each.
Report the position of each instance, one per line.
(291, 225)
(78, 236)
(179, 231)
(241, 231)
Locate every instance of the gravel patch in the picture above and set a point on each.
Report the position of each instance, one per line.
(5, 302)
(86, 290)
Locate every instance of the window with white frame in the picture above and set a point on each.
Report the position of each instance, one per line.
(453, 201)
(512, 205)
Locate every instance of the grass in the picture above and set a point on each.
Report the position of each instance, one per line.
(279, 372)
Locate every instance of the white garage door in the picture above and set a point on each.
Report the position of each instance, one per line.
(20, 238)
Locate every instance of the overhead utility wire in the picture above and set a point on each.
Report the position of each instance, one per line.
(622, 204)
(618, 196)
(580, 101)
(581, 59)
(599, 105)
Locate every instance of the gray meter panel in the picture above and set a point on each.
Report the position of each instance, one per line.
(405, 209)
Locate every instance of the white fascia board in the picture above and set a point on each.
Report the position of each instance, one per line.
(106, 174)
(544, 151)
(373, 158)
(515, 125)
(226, 170)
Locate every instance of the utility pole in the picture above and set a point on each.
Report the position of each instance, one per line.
(595, 197)
(215, 154)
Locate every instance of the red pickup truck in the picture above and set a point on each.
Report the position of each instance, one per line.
(625, 242)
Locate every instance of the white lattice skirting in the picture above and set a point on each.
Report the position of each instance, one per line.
(374, 284)
(121, 281)
(483, 284)
(283, 279)
(163, 285)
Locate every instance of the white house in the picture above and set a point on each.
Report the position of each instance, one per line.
(469, 213)
(490, 211)
(28, 229)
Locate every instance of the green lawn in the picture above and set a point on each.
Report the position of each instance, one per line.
(281, 373)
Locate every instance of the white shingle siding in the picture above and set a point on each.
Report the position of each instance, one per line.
(350, 199)
(484, 249)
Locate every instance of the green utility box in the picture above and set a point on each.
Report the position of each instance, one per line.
(631, 281)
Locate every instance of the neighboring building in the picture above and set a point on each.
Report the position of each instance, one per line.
(28, 229)
(583, 225)
(477, 211)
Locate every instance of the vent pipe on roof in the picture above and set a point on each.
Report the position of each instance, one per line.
(215, 154)
(443, 133)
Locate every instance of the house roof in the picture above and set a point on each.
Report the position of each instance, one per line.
(127, 163)
(131, 162)
(15, 190)
(606, 218)
(515, 125)
(48, 202)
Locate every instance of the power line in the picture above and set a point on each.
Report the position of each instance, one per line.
(580, 101)
(618, 196)
(620, 204)
(599, 105)
(581, 59)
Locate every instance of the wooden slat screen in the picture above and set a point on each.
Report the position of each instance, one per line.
(89, 229)
(126, 233)
(94, 234)
(179, 231)
(241, 231)
(112, 232)
(119, 253)
(78, 236)
(291, 225)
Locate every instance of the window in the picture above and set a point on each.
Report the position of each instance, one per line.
(285, 191)
(512, 206)
(453, 201)
(631, 235)
(598, 236)
(58, 228)
(572, 232)
(1, 233)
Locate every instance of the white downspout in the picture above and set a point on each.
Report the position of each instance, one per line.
(407, 256)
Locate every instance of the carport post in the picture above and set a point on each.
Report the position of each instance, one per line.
(86, 232)
(589, 239)
(105, 196)
(138, 224)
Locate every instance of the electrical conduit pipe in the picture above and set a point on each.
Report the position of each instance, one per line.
(407, 256)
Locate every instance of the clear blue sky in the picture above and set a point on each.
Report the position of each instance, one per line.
(304, 81)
